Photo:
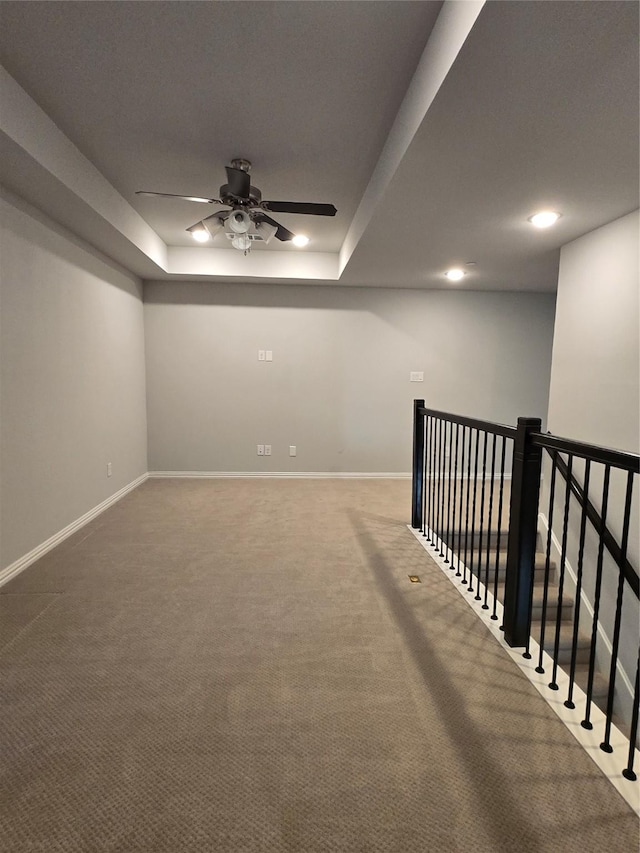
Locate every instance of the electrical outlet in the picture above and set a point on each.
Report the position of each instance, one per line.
(292, 450)
(109, 469)
(261, 450)
(261, 355)
(267, 450)
(416, 376)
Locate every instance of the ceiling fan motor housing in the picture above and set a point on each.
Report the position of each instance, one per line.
(253, 199)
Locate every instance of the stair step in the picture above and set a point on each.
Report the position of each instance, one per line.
(552, 604)
(565, 642)
(600, 685)
(539, 566)
(457, 539)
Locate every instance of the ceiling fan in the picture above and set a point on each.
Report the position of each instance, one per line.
(247, 221)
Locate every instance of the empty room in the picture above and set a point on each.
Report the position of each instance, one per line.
(319, 426)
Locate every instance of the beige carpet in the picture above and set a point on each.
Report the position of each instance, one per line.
(243, 665)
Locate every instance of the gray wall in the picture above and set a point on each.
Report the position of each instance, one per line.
(338, 387)
(594, 397)
(595, 373)
(72, 381)
(595, 376)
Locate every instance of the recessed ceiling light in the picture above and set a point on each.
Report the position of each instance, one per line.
(455, 274)
(544, 219)
(300, 240)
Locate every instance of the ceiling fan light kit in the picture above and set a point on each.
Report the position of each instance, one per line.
(247, 221)
(199, 232)
(241, 242)
(265, 232)
(239, 221)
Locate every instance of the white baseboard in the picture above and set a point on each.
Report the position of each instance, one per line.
(443, 475)
(309, 475)
(15, 568)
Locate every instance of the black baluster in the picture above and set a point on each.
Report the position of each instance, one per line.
(427, 485)
(503, 454)
(423, 527)
(586, 723)
(438, 542)
(455, 497)
(442, 477)
(466, 521)
(563, 562)
(448, 550)
(478, 597)
(485, 606)
(433, 482)
(606, 745)
(473, 511)
(628, 772)
(547, 564)
(576, 616)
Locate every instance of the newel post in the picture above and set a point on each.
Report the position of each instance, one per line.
(523, 529)
(417, 471)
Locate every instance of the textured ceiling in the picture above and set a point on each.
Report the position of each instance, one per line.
(540, 108)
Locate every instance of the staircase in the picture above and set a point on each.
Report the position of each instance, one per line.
(498, 558)
(567, 614)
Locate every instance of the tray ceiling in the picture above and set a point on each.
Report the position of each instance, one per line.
(435, 128)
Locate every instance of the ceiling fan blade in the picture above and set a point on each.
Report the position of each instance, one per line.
(300, 207)
(239, 182)
(184, 197)
(219, 214)
(282, 233)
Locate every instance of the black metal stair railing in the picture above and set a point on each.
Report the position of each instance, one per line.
(604, 620)
(461, 471)
(466, 473)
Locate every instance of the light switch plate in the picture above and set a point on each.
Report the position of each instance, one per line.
(416, 376)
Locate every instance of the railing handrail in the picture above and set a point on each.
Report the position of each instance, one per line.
(605, 455)
(474, 423)
(609, 540)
